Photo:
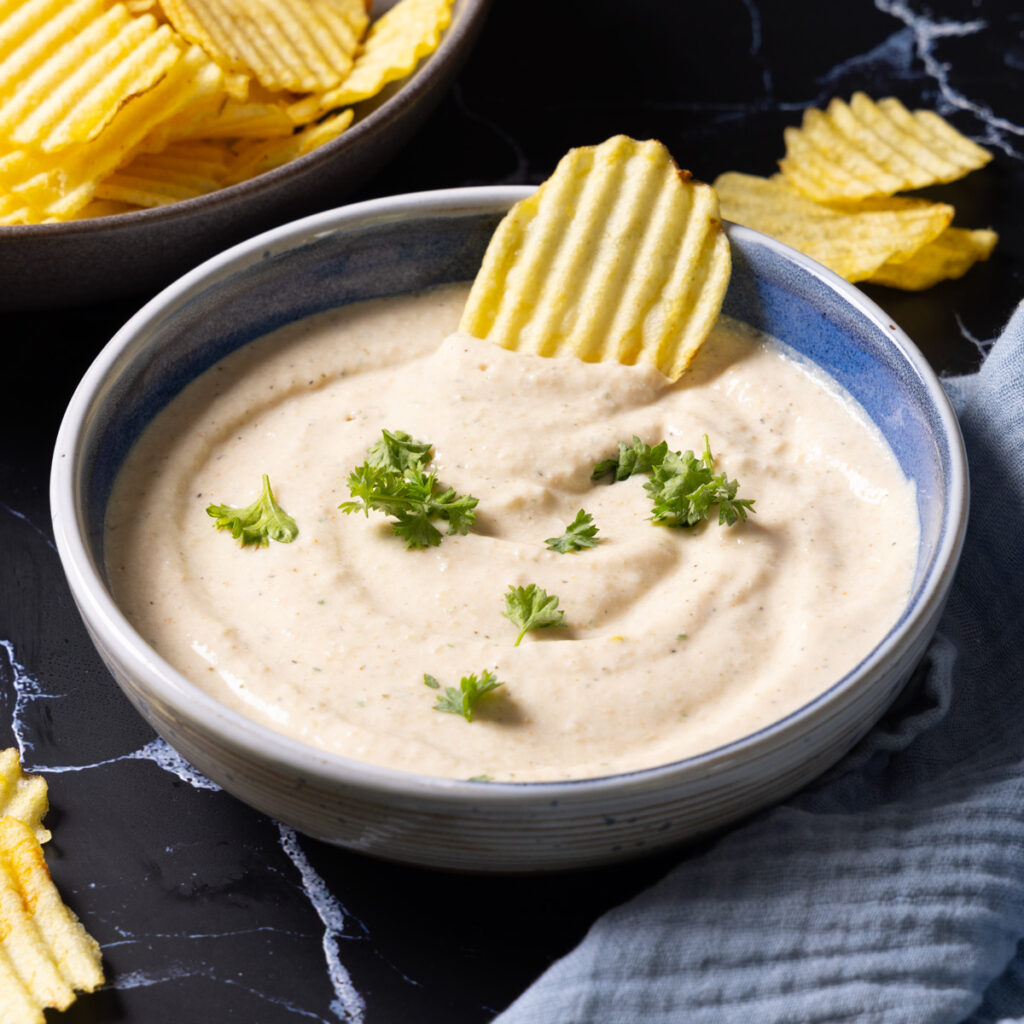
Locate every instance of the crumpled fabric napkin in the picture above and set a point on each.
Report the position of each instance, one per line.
(892, 890)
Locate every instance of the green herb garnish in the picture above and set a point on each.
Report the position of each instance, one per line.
(579, 534)
(394, 480)
(463, 700)
(632, 458)
(257, 524)
(531, 607)
(397, 451)
(429, 680)
(683, 488)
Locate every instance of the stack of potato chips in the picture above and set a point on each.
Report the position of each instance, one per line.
(835, 196)
(107, 107)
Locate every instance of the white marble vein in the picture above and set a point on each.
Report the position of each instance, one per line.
(26, 691)
(176, 972)
(980, 344)
(926, 33)
(348, 1005)
(756, 38)
(47, 540)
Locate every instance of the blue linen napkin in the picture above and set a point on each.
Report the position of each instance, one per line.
(892, 890)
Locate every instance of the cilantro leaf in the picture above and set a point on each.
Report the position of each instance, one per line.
(463, 700)
(683, 489)
(429, 680)
(394, 480)
(531, 607)
(256, 524)
(579, 534)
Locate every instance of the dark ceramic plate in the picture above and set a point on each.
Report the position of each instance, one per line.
(49, 265)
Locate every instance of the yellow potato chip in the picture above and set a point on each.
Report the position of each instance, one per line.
(77, 88)
(396, 42)
(297, 45)
(254, 158)
(22, 796)
(617, 256)
(949, 256)
(102, 208)
(34, 30)
(234, 120)
(14, 211)
(864, 149)
(59, 184)
(45, 953)
(179, 172)
(852, 239)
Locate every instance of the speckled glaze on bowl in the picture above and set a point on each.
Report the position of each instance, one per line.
(44, 266)
(392, 246)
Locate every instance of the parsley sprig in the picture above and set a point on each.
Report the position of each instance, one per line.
(683, 488)
(394, 480)
(462, 700)
(532, 607)
(579, 534)
(256, 524)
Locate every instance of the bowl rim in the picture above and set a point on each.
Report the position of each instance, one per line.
(458, 33)
(238, 732)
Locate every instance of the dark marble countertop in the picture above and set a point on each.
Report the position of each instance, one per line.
(207, 911)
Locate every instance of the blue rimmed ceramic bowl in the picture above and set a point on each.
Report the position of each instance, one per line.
(400, 244)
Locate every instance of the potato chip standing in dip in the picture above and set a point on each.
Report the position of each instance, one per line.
(619, 255)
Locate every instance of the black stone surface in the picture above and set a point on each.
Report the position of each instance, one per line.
(207, 911)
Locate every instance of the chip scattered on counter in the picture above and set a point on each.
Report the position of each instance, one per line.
(835, 197)
(46, 955)
(949, 256)
(93, 91)
(854, 239)
(619, 255)
(22, 796)
(863, 149)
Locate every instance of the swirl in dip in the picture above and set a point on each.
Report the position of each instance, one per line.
(677, 640)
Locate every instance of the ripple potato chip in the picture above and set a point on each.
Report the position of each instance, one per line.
(59, 184)
(46, 955)
(297, 45)
(162, 178)
(90, 86)
(71, 83)
(396, 42)
(619, 255)
(252, 158)
(949, 256)
(22, 796)
(866, 149)
(853, 239)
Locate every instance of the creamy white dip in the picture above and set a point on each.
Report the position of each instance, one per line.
(677, 640)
